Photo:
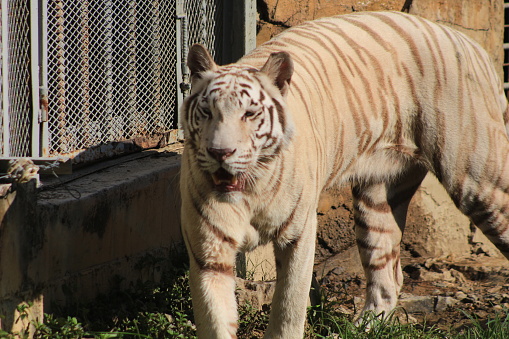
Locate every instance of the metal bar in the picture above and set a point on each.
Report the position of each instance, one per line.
(182, 71)
(34, 70)
(203, 24)
(156, 60)
(132, 68)
(108, 76)
(60, 95)
(43, 74)
(184, 41)
(60, 165)
(250, 14)
(5, 80)
(85, 69)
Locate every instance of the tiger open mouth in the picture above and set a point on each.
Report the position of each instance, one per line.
(227, 182)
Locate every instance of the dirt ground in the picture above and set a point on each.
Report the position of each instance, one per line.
(435, 290)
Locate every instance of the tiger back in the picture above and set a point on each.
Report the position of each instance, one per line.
(374, 100)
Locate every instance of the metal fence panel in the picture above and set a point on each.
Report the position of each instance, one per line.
(3, 63)
(16, 111)
(111, 71)
(206, 24)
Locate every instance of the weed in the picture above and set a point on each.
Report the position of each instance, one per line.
(164, 310)
(59, 328)
(496, 327)
(252, 322)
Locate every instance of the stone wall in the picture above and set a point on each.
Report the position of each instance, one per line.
(483, 20)
(276, 15)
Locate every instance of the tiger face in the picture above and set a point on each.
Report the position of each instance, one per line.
(236, 120)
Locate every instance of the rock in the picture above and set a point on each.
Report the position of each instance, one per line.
(417, 304)
(460, 295)
(258, 293)
(445, 275)
(458, 276)
(497, 308)
(473, 297)
(338, 270)
(445, 302)
(443, 284)
(348, 261)
(413, 270)
(430, 276)
(494, 289)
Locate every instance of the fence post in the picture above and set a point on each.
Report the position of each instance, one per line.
(5, 150)
(182, 71)
(34, 78)
(239, 19)
(43, 74)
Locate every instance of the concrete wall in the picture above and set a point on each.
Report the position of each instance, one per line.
(67, 244)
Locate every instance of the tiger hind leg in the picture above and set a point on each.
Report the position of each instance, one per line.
(484, 196)
(380, 214)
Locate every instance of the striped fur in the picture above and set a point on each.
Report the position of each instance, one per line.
(375, 100)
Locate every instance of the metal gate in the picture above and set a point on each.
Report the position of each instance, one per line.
(81, 77)
(15, 120)
(111, 71)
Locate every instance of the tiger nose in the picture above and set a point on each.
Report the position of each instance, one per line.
(220, 154)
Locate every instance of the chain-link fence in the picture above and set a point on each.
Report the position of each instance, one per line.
(111, 71)
(15, 120)
(111, 68)
(205, 24)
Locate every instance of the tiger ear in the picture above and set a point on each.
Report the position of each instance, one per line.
(279, 68)
(199, 60)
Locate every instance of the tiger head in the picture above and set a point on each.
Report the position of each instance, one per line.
(235, 120)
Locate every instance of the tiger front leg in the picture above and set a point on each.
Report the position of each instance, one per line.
(294, 265)
(212, 283)
(214, 305)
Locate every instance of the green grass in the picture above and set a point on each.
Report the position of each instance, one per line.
(324, 323)
(149, 310)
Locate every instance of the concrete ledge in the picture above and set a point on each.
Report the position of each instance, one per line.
(69, 243)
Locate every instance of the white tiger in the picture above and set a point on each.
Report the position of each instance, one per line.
(372, 99)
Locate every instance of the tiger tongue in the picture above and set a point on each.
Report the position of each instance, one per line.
(224, 180)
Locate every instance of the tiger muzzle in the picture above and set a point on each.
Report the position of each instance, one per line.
(224, 181)
(227, 182)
